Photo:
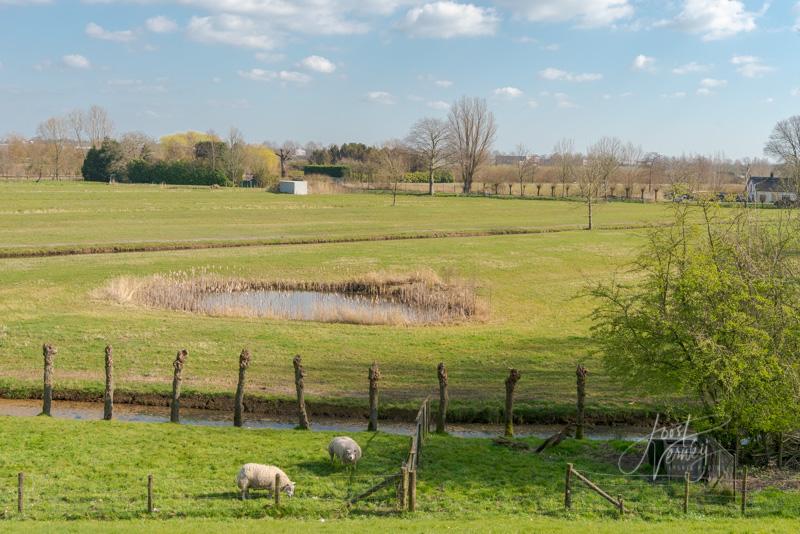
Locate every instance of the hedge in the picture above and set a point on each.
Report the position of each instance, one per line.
(440, 177)
(334, 171)
(174, 173)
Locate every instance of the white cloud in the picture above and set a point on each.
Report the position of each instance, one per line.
(533, 104)
(675, 95)
(76, 61)
(508, 92)
(136, 86)
(439, 104)
(750, 66)
(447, 19)
(443, 83)
(716, 19)
(161, 24)
(98, 32)
(563, 101)
(769, 100)
(231, 30)
(690, 67)
(551, 47)
(380, 97)
(319, 64)
(586, 13)
(795, 91)
(713, 83)
(705, 91)
(796, 11)
(551, 73)
(262, 75)
(642, 62)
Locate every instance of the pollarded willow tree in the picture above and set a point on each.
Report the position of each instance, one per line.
(471, 133)
(784, 146)
(712, 311)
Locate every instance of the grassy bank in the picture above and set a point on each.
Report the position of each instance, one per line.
(97, 470)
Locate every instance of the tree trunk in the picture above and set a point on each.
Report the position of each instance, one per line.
(108, 396)
(511, 382)
(430, 181)
(374, 377)
(655, 198)
(238, 407)
(175, 405)
(589, 204)
(299, 373)
(580, 372)
(538, 190)
(49, 353)
(443, 399)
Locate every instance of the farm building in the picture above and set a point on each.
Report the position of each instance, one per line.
(293, 187)
(768, 189)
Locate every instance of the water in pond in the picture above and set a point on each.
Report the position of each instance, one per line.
(314, 306)
(157, 414)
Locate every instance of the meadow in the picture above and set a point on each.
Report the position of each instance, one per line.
(532, 284)
(97, 470)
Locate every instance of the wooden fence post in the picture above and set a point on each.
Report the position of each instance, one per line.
(403, 490)
(686, 493)
(299, 374)
(374, 377)
(238, 405)
(744, 491)
(20, 492)
(150, 494)
(621, 505)
(277, 490)
(108, 395)
(412, 490)
(580, 373)
(444, 399)
(49, 352)
(175, 405)
(568, 489)
(511, 382)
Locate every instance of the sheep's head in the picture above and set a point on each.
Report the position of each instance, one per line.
(350, 455)
(288, 489)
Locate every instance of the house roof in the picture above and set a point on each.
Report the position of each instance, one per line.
(768, 184)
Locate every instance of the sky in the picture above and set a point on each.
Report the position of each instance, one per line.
(675, 76)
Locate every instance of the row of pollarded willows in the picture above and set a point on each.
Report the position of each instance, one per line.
(374, 376)
(441, 301)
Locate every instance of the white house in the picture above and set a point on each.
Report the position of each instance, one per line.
(768, 189)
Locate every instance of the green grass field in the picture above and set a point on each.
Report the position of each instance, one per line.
(538, 322)
(97, 470)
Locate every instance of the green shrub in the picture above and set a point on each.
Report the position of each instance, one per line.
(334, 171)
(104, 164)
(441, 176)
(174, 173)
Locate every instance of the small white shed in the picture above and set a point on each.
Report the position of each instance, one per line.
(293, 187)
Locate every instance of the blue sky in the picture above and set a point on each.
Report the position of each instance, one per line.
(693, 76)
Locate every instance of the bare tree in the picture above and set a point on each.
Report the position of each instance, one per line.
(654, 162)
(53, 132)
(471, 133)
(784, 146)
(632, 157)
(136, 145)
(602, 161)
(393, 160)
(565, 158)
(76, 123)
(98, 125)
(285, 153)
(234, 157)
(526, 167)
(427, 140)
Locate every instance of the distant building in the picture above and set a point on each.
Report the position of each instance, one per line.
(768, 189)
(502, 159)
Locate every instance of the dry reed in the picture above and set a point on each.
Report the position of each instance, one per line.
(382, 298)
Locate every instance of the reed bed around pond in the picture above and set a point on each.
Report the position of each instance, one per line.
(374, 298)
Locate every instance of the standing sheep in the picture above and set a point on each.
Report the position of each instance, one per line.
(258, 476)
(345, 449)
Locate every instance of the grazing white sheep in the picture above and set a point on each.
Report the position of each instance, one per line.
(258, 476)
(345, 449)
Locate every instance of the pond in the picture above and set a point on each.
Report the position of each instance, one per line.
(313, 306)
